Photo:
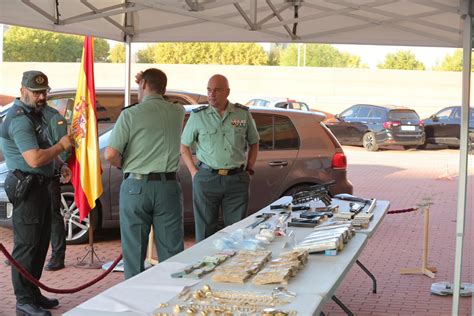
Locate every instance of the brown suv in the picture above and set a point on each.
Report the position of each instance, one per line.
(296, 151)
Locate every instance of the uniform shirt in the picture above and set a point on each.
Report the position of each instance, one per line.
(21, 137)
(57, 126)
(221, 141)
(147, 136)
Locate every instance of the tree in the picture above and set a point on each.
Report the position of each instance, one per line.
(452, 62)
(145, 55)
(117, 54)
(403, 60)
(274, 55)
(319, 55)
(24, 44)
(204, 53)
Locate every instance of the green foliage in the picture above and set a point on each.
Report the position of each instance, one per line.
(403, 60)
(204, 53)
(274, 55)
(319, 55)
(24, 45)
(146, 55)
(117, 53)
(452, 62)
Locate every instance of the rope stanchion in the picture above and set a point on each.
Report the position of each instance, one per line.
(30, 278)
(405, 210)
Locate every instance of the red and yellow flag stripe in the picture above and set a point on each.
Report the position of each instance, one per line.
(85, 162)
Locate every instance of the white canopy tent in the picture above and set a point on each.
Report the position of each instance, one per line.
(437, 23)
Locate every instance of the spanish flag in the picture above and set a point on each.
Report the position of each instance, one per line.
(85, 161)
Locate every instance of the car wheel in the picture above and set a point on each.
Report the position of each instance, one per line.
(369, 142)
(77, 232)
(409, 147)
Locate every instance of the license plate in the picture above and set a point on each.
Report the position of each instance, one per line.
(408, 128)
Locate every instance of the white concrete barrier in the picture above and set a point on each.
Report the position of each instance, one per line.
(327, 89)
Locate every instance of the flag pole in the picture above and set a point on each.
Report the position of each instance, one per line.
(90, 253)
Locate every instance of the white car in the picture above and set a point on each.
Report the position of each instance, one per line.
(283, 103)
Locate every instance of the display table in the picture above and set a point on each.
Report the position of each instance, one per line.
(315, 284)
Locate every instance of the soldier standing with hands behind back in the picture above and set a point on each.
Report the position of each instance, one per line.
(221, 132)
(29, 155)
(145, 144)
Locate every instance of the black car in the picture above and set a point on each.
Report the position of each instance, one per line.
(373, 126)
(443, 128)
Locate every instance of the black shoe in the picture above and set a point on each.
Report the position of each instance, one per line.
(54, 265)
(30, 309)
(47, 303)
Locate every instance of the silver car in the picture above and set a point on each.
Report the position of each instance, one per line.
(296, 151)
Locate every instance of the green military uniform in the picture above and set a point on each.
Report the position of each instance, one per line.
(23, 130)
(148, 137)
(58, 128)
(220, 144)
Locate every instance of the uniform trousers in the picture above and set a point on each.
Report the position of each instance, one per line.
(58, 230)
(31, 233)
(212, 192)
(144, 203)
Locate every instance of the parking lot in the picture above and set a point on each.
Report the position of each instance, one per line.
(404, 178)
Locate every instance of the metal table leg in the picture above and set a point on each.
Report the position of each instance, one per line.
(374, 281)
(341, 305)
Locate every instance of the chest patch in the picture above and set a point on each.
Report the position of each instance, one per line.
(238, 123)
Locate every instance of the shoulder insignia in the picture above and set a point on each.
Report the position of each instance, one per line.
(130, 106)
(199, 109)
(240, 106)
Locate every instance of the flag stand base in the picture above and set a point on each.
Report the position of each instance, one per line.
(94, 260)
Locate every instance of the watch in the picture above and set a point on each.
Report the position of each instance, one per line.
(250, 171)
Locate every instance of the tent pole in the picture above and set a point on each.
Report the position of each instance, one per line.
(463, 154)
(128, 64)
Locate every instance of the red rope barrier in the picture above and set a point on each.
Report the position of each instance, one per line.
(405, 210)
(30, 278)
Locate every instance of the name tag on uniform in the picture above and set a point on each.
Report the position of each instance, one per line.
(238, 123)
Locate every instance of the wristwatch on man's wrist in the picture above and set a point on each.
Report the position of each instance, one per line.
(250, 171)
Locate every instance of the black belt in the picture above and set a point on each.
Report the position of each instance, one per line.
(222, 172)
(153, 176)
(41, 179)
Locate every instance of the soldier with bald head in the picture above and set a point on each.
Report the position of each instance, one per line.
(221, 133)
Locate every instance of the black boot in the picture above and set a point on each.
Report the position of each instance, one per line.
(30, 309)
(47, 303)
(54, 264)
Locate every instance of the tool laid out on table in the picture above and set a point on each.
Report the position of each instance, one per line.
(355, 209)
(349, 197)
(289, 207)
(303, 222)
(260, 219)
(317, 191)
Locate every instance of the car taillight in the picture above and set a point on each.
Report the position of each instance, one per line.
(421, 123)
(339, 161)
(390, 124)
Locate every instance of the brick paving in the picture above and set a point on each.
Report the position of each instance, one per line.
(404, 178)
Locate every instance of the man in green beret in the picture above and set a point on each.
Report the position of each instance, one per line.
(145, 144)
(221, 133)
(30, 155)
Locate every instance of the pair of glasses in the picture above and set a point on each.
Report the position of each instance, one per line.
(40, 92)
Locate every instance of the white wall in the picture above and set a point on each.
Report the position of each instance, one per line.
(327, 89)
